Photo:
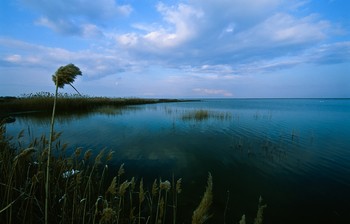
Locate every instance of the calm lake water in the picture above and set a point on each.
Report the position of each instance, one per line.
(295, 153)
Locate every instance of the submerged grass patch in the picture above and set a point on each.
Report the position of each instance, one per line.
(202, 114)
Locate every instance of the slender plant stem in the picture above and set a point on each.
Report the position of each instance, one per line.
(165, 205)
(174, 199)
(160, 191)
(226, 206)
(85, 196)
(74, 88)
(49, 154)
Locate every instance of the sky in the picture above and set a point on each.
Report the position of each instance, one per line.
(178, 48)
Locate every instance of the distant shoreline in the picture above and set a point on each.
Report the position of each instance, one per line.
(70, 104)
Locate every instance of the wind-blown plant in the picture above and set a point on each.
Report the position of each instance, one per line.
(64, 75)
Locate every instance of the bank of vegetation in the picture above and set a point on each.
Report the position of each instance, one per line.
(43, 102)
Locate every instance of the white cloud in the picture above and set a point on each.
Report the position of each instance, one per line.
(212, 92)
(77, 17)
(13, 58)
(280, 30)
(224, 34)
(91, 30)
(128, 40)
(93, 64)
(179, 27)
(202, 43)
(286, 28)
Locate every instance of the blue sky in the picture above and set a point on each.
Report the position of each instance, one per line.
(189, 48)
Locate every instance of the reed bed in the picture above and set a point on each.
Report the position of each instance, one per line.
(81, 190)
(202, 114)
(43, 101)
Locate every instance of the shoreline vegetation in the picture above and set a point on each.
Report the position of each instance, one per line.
(43, 102)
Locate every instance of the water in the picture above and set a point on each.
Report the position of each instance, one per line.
(295, 153)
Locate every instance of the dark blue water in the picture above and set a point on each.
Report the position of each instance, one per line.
(295, 153)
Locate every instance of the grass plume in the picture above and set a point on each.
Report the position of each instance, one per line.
(201, 214)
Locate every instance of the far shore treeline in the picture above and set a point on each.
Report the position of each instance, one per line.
(43, 102)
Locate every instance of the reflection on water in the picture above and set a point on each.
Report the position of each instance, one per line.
(295, 153)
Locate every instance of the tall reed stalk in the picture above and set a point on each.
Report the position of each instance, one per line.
(49, 154)
(141, 199)
(64, 75)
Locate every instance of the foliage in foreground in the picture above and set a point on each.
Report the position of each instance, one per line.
(81, 192)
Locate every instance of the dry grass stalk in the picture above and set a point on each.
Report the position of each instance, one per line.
(178, 186)
(108, 215)
(77, 152)
(132, 184)
(158, 204)
(177, 191)
(87, 192)
(121, 193)
(99, 157)
(154, 188)
(142, 192)
(161, 211)
(132, 215)
(113, 187)
(200, 215)
(25, 154)
(141, 198)
(110, 155)
(123, 187)
(121, 170)
(132, 188)
(87, 155)
(98, 208)
(260, 212)
(242, 221)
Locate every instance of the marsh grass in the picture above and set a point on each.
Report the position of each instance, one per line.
(43, 101)
(80, 190)
(202, 114)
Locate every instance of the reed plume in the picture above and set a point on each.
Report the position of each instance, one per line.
(87, 155)
(166, 186)
(123, 187)
(108, 215)
(242, 221)
(177, 190)
(154, 188)
(200, 215)
(112, 187)
(121, 193)
(121, 171)
(260, 212)
(25, 154)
